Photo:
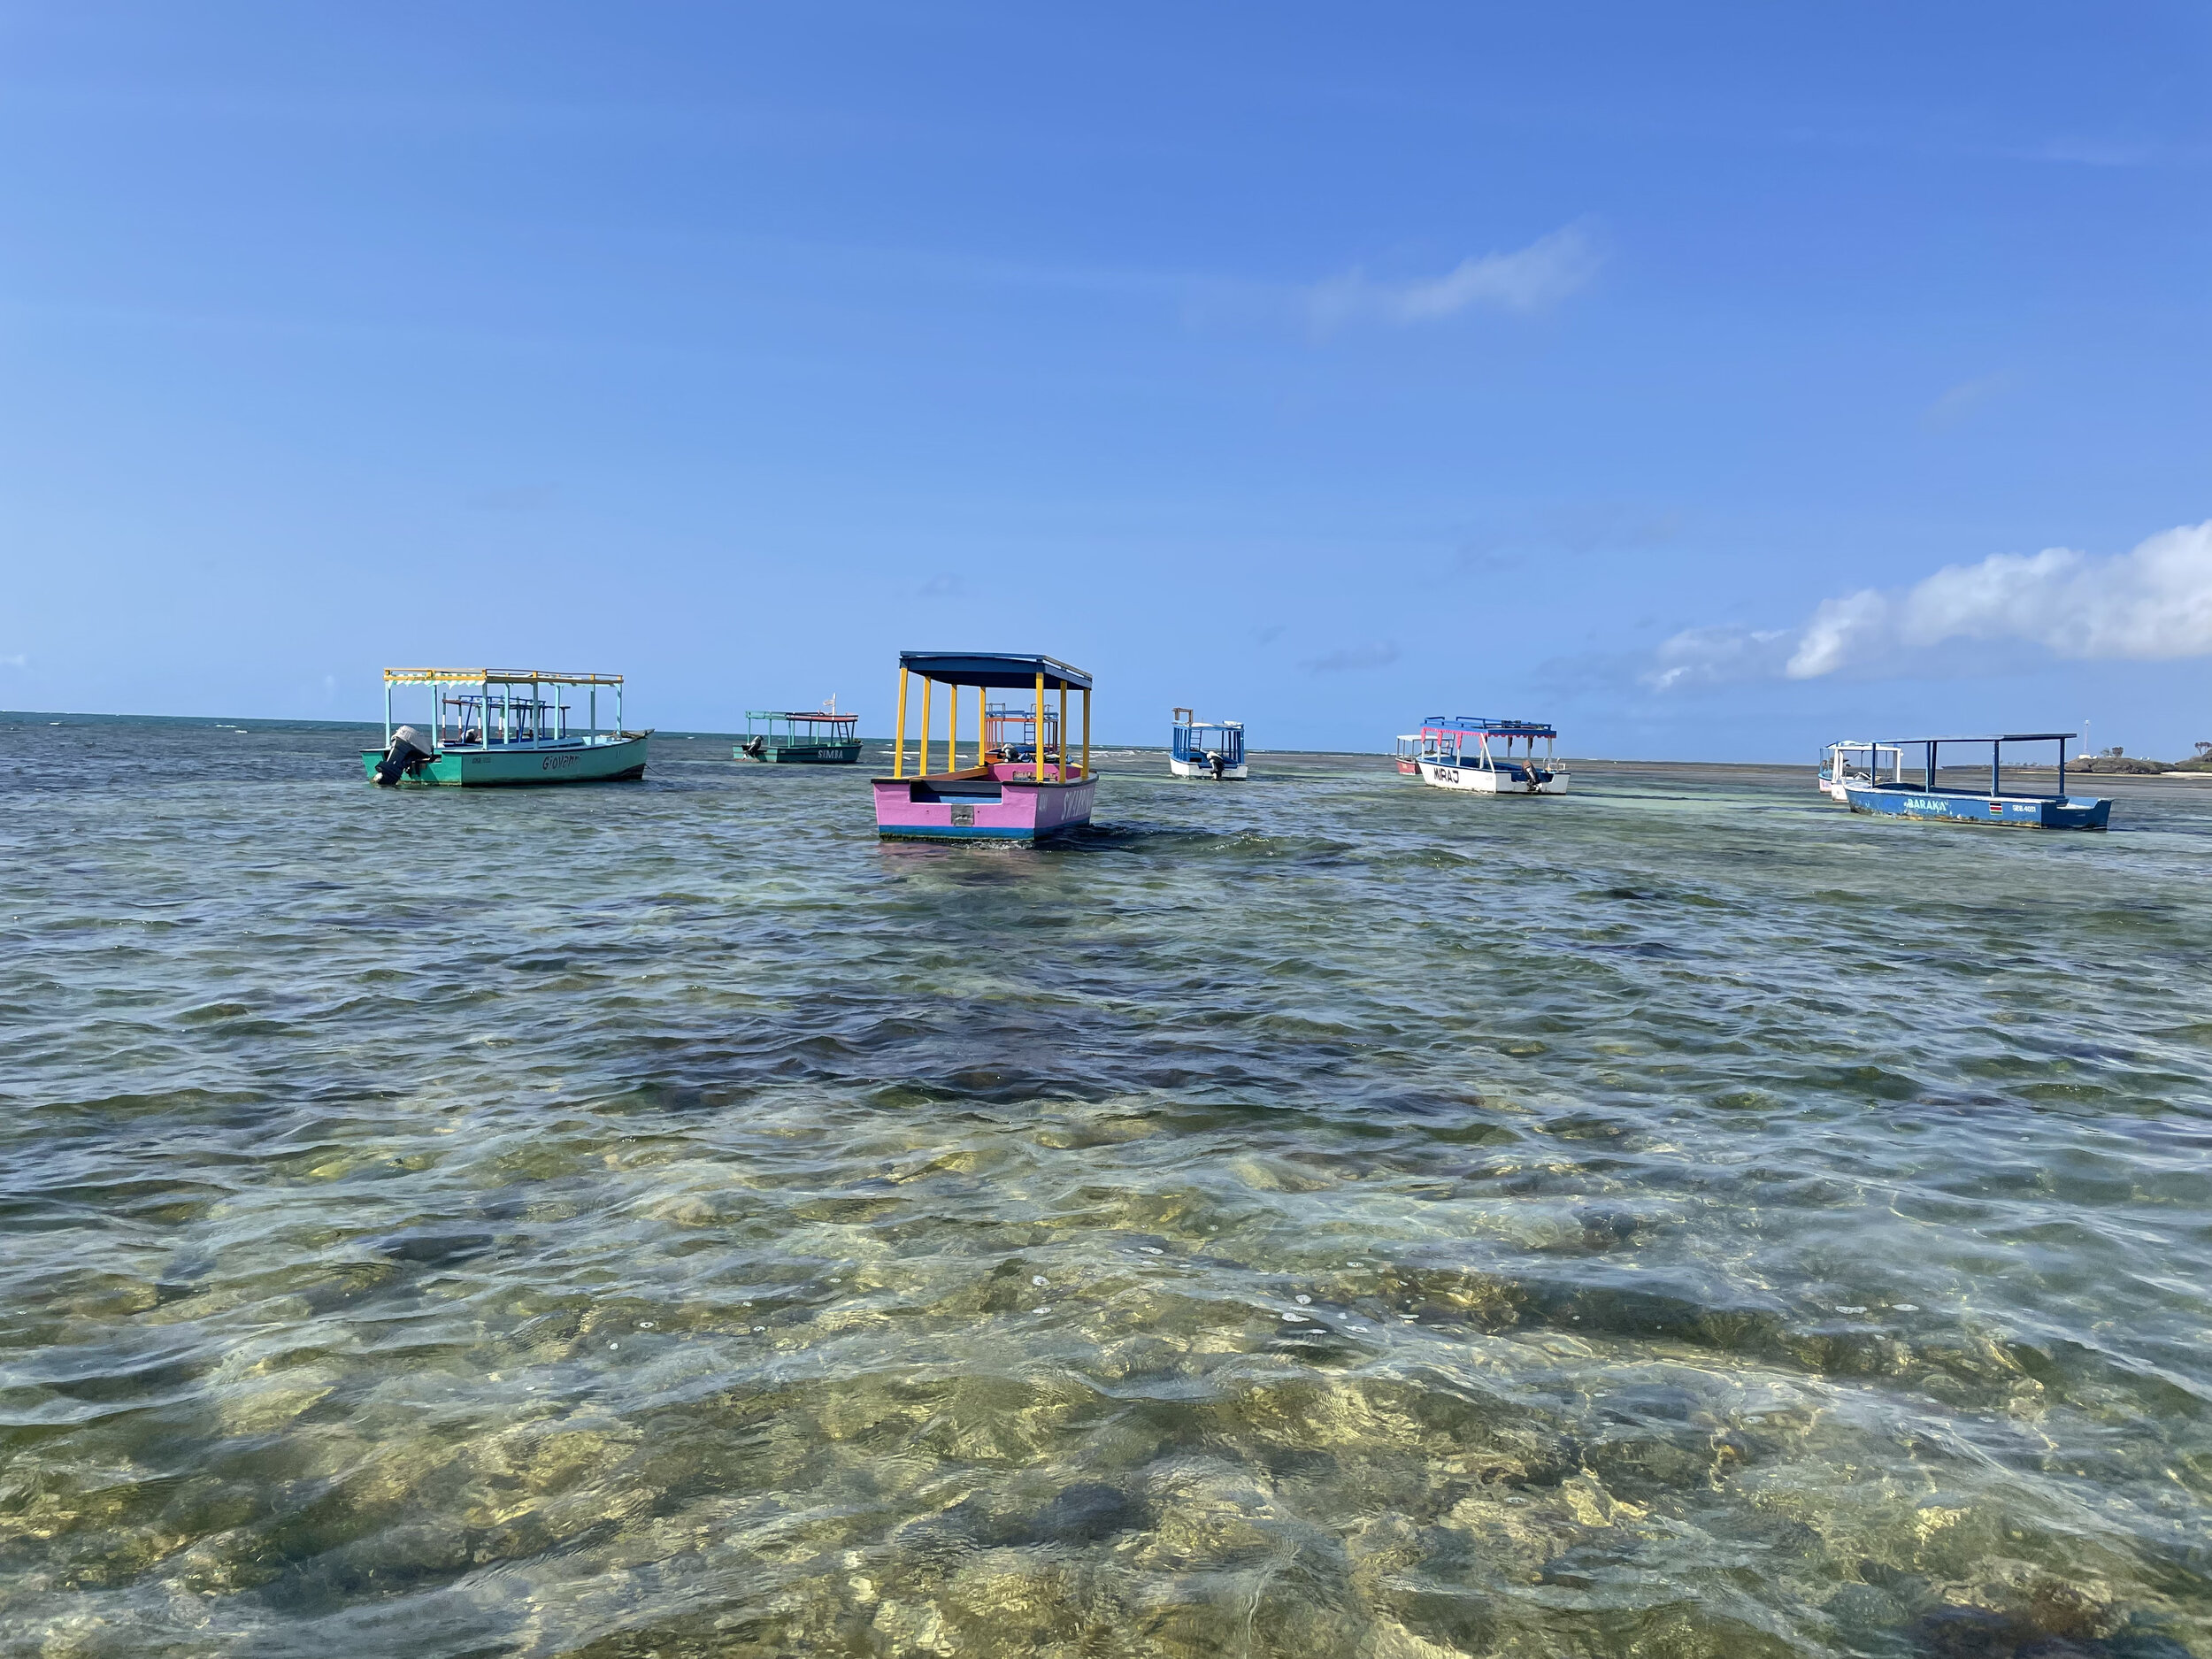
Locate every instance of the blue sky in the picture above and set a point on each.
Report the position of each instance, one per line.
(1712, 380)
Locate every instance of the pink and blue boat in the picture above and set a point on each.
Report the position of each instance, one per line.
(1012, 792)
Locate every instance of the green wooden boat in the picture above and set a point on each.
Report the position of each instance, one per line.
(813, 738)
(507, 726)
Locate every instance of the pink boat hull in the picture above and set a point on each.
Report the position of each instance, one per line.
(1005, 804)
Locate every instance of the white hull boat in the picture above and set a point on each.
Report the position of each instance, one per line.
(1212, 749)
(1475, 753)
(1202, 768)
(1506, 780)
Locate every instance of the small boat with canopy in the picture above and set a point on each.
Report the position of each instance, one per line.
(1951, 804)
(1015, 790)
(495, 726)
(1848, 762)
(1475, 753)
(811, 737)
(1009, 732)
(1206, 748)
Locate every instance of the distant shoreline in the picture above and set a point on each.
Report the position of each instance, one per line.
(257, 723)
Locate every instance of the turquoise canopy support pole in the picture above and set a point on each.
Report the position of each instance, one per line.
(388, 716)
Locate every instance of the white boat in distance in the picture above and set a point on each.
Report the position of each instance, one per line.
(1850, 764)
(1206, 748)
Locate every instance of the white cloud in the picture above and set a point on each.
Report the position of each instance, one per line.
(1962, 400)
(1526, 280)
(2151, 603)
(20, 660)
(1716, 656)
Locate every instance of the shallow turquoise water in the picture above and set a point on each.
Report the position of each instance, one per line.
(1322, 1216)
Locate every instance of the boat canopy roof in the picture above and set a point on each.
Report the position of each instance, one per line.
(1986, 737)
(1005, 670)
(816, 715)
(1483, 724)
(495, 676)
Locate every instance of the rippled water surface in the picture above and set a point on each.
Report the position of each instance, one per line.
(1316, 1216)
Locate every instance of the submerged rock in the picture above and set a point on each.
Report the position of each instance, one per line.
(1085, 1512)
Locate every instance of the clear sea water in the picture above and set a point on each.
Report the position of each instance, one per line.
(1316, 1216)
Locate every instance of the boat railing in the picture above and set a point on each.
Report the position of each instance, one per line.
(1194, 740)
(1444, 742)
(1932, 748)
(1850, 761)
(840, 728)
(1010, 731)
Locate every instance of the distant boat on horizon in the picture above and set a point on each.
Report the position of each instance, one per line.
(812, 737)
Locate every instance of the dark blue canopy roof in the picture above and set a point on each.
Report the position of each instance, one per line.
(1003, 670)
(1992, 737)
(1484, 722)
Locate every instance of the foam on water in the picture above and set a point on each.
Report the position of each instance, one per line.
(1320, 1215)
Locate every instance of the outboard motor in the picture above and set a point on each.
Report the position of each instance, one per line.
(756, 747)
(410, 747)
(1218, 761)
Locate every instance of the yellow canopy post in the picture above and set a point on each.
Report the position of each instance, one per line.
(983, 726)
(1063, 729)
(1086, 731)
(898, 746)
(952, 731)
(927, 683)
(1040, 729)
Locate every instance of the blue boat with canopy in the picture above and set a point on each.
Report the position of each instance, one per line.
(1948, 803)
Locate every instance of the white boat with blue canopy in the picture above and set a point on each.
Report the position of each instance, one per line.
(1850, 761)
(1475, 753)
(1949, 803)
(1206, 748)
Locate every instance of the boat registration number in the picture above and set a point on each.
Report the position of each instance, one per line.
(964, 817)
